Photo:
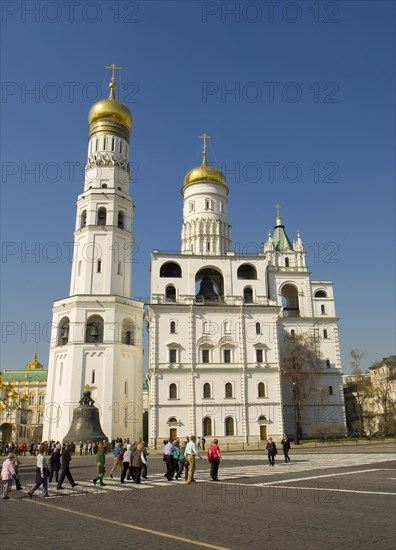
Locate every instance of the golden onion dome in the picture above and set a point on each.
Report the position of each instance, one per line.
(24, 398)
(13, 394)
(111, 109)
(34, 364)
(205, 173)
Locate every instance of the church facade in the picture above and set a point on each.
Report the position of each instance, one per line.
(97, 330)
(219, 324)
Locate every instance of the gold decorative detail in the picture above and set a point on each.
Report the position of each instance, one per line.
(34, 364)
(110, 108)
(87, 387)
(205, 172)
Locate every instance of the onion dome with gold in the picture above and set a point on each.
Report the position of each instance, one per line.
(205, 172)
(34, 364)
(108, 115)
(24, 398)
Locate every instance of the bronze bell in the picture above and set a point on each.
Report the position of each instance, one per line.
(85, 425)
(65, 331)
(94, 331)
(207, 291)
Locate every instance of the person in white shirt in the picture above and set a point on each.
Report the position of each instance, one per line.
(41, 474)
(191, 454)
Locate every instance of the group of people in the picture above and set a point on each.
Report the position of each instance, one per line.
(131, 459)
(132, 462)
(273, 451)
(180, 457)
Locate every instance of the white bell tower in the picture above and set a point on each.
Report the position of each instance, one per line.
(97, 331)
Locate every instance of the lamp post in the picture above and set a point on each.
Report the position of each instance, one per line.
(296, 439)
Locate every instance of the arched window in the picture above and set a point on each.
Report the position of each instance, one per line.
(63, 331)
(207, 426)
(99, 266)
(292, 333)
(172, 420)
(261, 389)
(229, 426)
(320, 294)
(207, 391)
(170, 269)
(83, 221)
(94, 329)
(328, 365)
(119, 268)
(128, 332)
(209, 286)
(172, 327)
(258, 328)
(172, 391)
(228, 389)
(246, 272)
(322, 309)
(287, 262)
(330, 390)
(170, 293)
(102, 216)
(120, 221)
(93, 377)
(325, 336)
(290, 301)
(248, 295)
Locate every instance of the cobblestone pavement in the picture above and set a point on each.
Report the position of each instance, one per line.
(327, 500)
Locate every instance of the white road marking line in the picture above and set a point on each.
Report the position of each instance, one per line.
(318, 477)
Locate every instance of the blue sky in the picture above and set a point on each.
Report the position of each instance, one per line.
(305, 89)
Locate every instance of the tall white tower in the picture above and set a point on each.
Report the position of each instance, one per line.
(97, 331)
(205, 228)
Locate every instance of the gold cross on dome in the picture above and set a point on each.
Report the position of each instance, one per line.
(113, 68)
(204, 137)
(277, 206)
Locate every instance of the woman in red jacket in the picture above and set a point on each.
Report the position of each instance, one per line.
(214, 458)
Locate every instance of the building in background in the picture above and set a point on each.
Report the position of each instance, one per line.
(97, 330)
(22, 406)
(219, 323)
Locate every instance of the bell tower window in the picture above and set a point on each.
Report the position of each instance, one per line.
(102, 216)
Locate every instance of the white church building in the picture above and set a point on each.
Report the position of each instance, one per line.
(217, 325)
(97, 330)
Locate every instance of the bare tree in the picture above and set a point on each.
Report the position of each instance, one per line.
(299, 362)
(360, 387)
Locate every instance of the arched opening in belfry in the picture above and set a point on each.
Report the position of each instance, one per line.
(209, 286)
(290, 301)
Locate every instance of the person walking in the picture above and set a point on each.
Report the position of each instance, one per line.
(191, 455)
(214, 458)
(100, 464)
(55, 463)
(285, 446)
(127, 463)
(117, 459)
(65, 468)
(41, 473)
(138, 460)
(168, 451)
(7, 474)
(272, 451)
(145, 464)
(16, 463)
(183, 464)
